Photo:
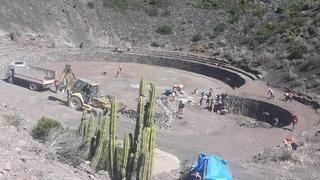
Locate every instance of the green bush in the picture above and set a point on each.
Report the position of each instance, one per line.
(43, 127)
(315, 59)
(153, 12)
(235, 12)
(159, 3)
(297, 50)
(14, 120)
(154, 44)
(119, 4)
(196, 38)
(263, 35)
(220, 28)
(207, 4)
(90, 5)
(164, 30)
(260, 11)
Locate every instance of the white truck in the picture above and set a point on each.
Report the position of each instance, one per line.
(35, 78)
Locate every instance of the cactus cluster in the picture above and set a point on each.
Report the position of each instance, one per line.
(134, 158)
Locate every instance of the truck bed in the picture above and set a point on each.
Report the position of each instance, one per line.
(34, 74)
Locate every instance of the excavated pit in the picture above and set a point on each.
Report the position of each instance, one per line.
(254, 109)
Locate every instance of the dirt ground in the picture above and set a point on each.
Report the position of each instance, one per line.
(199, 131)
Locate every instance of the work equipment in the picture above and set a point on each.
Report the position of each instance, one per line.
(66, 80)
(81, 93)
(35, 78)
(84, 94)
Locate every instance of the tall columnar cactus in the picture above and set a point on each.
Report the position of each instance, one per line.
(144, 158)
(152, 141)
(102, 143)
(138, 132)
(141, 88)
(151, 106)
(82, 127)
(135, 159)
(90, 129)
(125, 156)
(112, 137)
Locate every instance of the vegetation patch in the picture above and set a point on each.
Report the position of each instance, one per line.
(220, 28)
(152, 12)
(43, 127)
(159, 3)
(196, 38)
(263, 35)
(207, 4)
(117, 4)
(297, 50)
(14, 120)
(164, 30)
(260, 11)
(90, 5)
(234, 14)
(314, 59)
(155, 44)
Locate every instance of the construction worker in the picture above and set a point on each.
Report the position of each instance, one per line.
(119, 71)
(271, 94)
(265, 115)
(209, 97)
(288, 96)
(290, 143)
(181, 107)
(294, 121)
(275, 122)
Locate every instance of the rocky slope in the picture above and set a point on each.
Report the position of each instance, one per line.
(280, 39)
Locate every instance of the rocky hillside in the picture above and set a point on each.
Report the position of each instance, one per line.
(280, 39)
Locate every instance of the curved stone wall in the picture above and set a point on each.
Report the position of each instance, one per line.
(254, 109)
(232, 79)
(197, 66)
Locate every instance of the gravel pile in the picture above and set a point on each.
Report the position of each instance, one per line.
(130, 113)
(251, 123)
(162, 120)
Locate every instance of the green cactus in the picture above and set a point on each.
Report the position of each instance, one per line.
(141, 88)
(125, 156)
(112, 137)
(102, 144)
(152, 141)
(151, 106)
(138, 131)
(135, 159)
(90, 132)
(82, 128)
(143, 159)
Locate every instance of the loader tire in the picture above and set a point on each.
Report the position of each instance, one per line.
(75, 102)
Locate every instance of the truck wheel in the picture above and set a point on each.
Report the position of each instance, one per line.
(33, 86)
(75, 102)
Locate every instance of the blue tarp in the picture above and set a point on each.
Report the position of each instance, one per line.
(216, 169)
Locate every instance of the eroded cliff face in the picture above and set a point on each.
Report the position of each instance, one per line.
(63, 22)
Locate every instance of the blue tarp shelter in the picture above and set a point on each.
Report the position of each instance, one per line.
(210, 167)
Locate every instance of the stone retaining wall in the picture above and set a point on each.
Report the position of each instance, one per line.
(254, 109)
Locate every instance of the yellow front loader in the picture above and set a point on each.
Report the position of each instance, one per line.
(82, 94)
(85, 95)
